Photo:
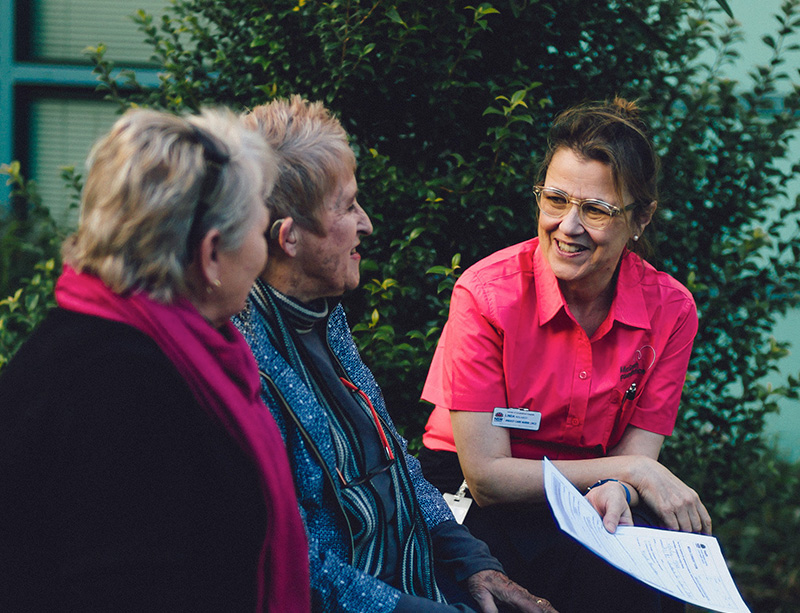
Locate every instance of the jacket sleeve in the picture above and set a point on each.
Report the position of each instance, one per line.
(459, 554)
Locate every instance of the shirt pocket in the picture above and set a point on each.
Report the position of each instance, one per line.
(620, 406)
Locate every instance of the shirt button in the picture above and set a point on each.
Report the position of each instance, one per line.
(583, 374)
(574, 421)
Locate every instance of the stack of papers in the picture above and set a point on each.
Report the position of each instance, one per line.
(688, 566)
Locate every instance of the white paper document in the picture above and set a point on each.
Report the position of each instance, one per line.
(684, 565)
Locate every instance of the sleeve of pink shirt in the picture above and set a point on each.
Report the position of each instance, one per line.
(657, 407)
(467, 368)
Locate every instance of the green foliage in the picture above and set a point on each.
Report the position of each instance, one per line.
(448, 105)
(731, 233)
(403, 358)
(760, 536)
(21, 312)
(28, 234)
(30, 258)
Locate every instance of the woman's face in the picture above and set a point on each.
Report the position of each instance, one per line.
(239, 268)
(583, 260)
(329, 264)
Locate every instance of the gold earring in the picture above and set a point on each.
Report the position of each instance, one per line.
(218, 283)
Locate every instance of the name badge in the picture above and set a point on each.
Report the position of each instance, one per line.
(524, 419)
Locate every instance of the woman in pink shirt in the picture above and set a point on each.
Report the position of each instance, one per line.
(570, 346)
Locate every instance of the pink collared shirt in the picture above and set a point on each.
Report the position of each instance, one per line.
(510, 341)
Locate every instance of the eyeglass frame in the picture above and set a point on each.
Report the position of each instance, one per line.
(611, 209)
(214, 159)
(387, 447)
(388, 464)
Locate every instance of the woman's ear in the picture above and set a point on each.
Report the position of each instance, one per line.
(207, 258)
(645, 215)
(285, 233)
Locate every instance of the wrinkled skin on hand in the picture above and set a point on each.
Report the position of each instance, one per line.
(490, 587)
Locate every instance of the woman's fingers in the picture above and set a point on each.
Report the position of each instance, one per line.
(678, 506)
(609, 501)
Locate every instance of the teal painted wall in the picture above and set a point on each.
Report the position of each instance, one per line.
(757, 19)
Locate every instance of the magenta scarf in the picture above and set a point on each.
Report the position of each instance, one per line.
(223, 376)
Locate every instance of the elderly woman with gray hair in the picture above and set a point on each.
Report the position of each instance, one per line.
(138, 468)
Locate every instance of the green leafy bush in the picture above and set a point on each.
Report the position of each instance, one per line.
(28, 234)
(30, 259)
(22, 311)
(760, 535)
(448, 106)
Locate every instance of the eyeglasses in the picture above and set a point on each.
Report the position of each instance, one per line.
(365, 478)
(593, 213)
(387, 448)
(214, 159)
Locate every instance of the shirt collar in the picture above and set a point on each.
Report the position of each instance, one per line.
(548, 294)
(628, 306)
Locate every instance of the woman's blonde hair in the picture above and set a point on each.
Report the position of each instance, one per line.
(156, 184)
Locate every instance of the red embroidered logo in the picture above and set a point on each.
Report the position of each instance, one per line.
(645, 358)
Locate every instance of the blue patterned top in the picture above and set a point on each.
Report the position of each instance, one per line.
(336, 584)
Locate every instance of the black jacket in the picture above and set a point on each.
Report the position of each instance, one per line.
(117, 491)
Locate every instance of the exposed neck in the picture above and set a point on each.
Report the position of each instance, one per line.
(205, 302)
(589, 306)
(282, 275)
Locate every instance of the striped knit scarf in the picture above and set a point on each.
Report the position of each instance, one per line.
(364, 509)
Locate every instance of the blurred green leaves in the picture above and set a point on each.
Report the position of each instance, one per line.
(448, 107)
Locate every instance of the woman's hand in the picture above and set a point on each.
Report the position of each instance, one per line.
(495, 477)
(676, 504)
(489, 587)
(610, 501)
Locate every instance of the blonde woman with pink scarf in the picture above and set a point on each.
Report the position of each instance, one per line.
(139, 469)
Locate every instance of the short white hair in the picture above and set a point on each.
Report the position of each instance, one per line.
(313, 154)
